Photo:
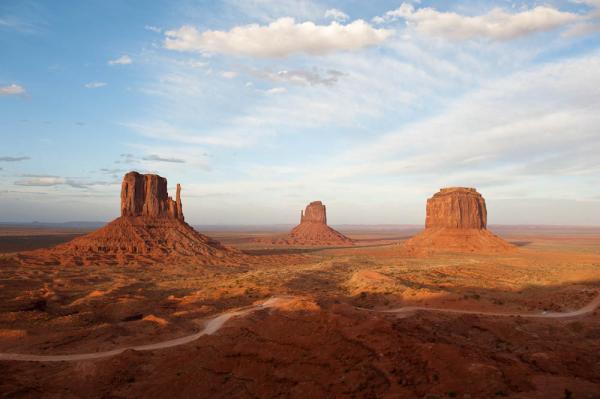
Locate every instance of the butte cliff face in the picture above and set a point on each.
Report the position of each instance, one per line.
(456, 221)
(151, 230)
(146, 195)
(456, 208)
(315, 212)
(313, 229)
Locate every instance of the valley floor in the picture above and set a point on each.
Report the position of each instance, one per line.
(323, 340)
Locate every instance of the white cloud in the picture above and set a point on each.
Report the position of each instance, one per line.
(276, 90)
(336, 14)
(300, 77)
(496, 24)
(11, 90)
(94, 85)
(122, 60)
(49, 181)
(590, 22)
(154, 29)
(591, 3)
(584, 28)
(166, 131)
(41, 181)
(229, 74)
(278, 39)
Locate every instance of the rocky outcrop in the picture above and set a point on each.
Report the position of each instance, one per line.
(456, 221)
(146, 195)
(315, 212)
(456, 207)
(151, 230)
(312, 230)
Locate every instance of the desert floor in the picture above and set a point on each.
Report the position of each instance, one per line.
(327, 336)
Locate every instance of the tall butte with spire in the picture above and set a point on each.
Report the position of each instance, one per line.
(146, 195)
(151, 229)
(313, 229)
(456, 221)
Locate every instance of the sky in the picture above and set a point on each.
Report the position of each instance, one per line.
(258, 107)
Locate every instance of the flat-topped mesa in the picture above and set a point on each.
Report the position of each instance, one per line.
(315, 212)
(456, 221)
(456, 207)
(146, 195)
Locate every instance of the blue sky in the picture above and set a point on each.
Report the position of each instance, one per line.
(258, 107)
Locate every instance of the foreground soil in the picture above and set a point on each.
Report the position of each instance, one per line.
(324, 341)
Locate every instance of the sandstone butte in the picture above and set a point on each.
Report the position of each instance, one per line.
(456, 221)
(151, 229)
(313, 229)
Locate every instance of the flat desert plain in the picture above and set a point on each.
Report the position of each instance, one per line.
(367, 321)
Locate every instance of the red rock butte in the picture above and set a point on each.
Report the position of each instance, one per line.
(456, 221)
(312, 230)
(151, 230)
(146, 195)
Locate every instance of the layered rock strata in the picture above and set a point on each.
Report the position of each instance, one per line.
(146, 195)
(456, 221)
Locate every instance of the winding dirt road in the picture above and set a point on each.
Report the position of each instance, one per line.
(214, 324)
(587, 309)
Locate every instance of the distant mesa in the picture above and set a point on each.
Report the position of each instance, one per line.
(313, 229)
(456, 221)
(151, 230)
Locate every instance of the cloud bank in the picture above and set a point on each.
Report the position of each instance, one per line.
(495, 25)
(50, 181)
(278, 39)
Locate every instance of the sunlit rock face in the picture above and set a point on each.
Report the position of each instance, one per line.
(315, 212)
(456, 207)
(456, 221)
(146, 195)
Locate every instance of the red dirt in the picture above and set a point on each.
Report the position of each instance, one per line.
(317, 344)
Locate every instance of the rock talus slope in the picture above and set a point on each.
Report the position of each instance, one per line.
(151, 229)
(313, 229)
